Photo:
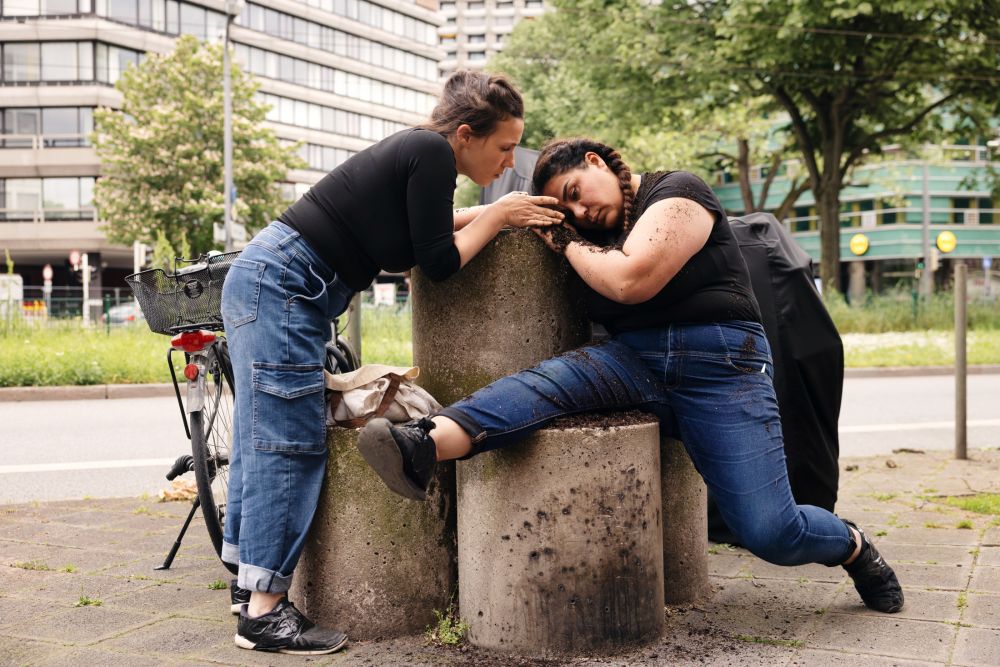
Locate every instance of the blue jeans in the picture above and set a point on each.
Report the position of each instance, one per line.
(277, 303)
(710, 385)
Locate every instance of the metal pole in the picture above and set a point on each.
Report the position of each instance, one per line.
(227, 137)
(926, 277)
(960, 362)
(85, 274)
(354, 325)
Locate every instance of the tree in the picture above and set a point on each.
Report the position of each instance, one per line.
(161, 153)
(851, 76)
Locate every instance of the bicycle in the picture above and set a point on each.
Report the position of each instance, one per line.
(187, 306)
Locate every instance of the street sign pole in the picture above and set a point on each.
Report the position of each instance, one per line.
(85, 262)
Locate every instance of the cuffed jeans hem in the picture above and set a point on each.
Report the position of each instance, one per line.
(230, 553)
(262, 580)
(468, 424)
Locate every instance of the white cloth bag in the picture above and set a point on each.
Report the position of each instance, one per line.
(376, 390)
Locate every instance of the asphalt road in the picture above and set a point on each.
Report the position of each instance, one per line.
(55, 450)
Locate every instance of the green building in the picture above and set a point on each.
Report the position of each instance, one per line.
(884, 212)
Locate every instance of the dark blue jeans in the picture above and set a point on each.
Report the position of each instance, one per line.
(710, 385)
(277, 303)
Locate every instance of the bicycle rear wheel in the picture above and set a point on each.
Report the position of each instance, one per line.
(211, 440)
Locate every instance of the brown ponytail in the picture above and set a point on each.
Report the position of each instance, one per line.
(476, 99)
(561, 155)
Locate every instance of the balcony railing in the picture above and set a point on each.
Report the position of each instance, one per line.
(41, 141)
(40, 215)
(898, 216)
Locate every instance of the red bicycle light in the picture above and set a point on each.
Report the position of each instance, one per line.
(193, 341)
(191, 372)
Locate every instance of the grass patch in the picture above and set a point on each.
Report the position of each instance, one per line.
(720, 547)
(87, 601)
(35, 565)
(881, 533)
(964, 524)
(448, 629)
(981, 503)
(771, 641)
(918, 348)
(69, 568)
(895, 310)
(218, 585)
(883, 497)
(963, 600)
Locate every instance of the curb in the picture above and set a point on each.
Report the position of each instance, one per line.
(89, 392)
(917, 371)
(108, 391)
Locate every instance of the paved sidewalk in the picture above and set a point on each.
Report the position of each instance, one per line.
(53, 556)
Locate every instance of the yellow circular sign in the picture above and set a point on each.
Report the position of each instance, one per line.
(946, 241)
(859, 244)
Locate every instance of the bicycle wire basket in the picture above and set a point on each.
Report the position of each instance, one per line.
(188, 299)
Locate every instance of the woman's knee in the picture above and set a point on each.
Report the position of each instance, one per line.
(776, 542)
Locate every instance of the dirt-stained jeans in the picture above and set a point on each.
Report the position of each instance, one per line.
(711, 387)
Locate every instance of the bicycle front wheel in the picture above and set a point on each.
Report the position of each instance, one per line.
(211, 441)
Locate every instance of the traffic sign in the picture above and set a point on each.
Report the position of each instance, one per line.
(946, 241)
(859, 244)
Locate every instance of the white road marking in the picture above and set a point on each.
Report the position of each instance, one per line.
(919, 426)
(85, 465)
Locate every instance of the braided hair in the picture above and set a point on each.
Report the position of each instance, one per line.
(561, 155)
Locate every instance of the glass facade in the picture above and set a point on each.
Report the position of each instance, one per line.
(379, 17)
(69, 198)
(319, 36)
(323, 158)
(287, 111)
(36, 62)
(58, 126)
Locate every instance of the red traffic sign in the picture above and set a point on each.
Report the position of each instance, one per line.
(74, 258)
(47, 272)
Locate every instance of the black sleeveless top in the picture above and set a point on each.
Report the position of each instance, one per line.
(713, 286)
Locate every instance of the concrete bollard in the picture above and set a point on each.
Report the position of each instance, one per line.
(560, 542)
(375, 565)
(510, 308)
(685, 525)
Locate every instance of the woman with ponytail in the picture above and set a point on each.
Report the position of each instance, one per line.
(667, 280)
(388, 207)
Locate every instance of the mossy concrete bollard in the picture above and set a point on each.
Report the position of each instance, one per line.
(375, 565)
(511, 307)
(685, 525)
(560, 544)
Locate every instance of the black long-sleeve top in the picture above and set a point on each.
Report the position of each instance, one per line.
(388, 207)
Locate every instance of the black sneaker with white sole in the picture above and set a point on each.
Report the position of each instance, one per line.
(286, 630)
(403, 455)
(237, 597)
(874, 580)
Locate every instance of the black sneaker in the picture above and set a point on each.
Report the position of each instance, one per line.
(873, 578)
(285, 630)
(237, 597)
(403, 456)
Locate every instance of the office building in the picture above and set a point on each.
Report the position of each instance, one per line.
(474, 30)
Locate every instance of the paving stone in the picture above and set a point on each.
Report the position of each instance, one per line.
(952, 577)
(84, 625)
(884, 635)
(919, 535)
(989, 556)
(170, 637)
(977, 647)
(919, 604)
(819, 658)
(776, 596)
(986, 579)
(927, 554)
(761, 569)
(172, 598)
(18, 612)
(15, 652)
(93, 656)
(983, 609)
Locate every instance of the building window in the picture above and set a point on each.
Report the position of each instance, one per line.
(477, 55)
(477, 39)
(53, 198)
(43, 7)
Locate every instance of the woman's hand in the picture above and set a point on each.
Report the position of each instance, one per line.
(519, 209)
(558, 237)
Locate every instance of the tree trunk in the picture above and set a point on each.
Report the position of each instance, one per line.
(828, 206)
(743, 168)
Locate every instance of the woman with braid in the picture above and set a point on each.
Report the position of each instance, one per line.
(669, 283)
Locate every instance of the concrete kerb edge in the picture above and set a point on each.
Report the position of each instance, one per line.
(85, 392)
(105, 391)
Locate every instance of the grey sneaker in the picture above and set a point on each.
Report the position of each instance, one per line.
(874, 580)
(286, 630)
(404, 456)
